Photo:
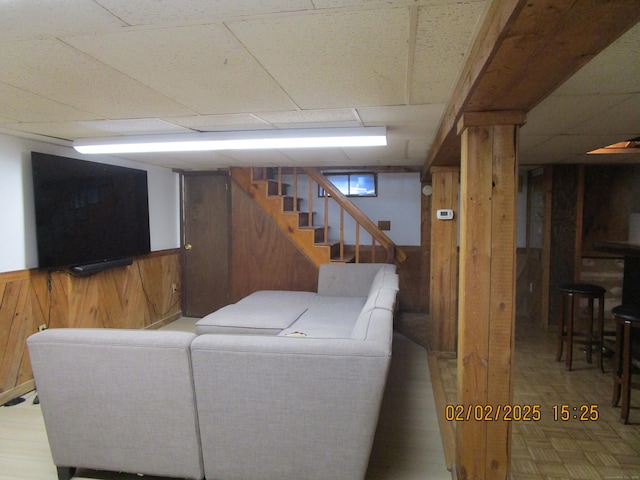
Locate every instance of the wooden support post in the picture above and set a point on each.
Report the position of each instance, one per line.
(486, 318)
(443, 297)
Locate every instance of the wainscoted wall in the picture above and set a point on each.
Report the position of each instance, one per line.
(137, 296)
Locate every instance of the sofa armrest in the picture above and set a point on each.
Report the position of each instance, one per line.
(288, 407)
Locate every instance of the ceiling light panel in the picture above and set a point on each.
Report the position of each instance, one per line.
(241, 140)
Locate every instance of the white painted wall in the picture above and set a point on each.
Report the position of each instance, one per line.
(398, 201)
(18, 249)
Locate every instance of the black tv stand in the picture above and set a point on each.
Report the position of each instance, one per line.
(91, 268)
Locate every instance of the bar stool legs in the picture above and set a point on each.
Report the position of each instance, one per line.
(627, 319)
(571, 294)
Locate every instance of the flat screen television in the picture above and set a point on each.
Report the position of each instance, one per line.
(88, 213)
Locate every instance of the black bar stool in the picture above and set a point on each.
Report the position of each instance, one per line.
(627, 320)
(571, 295)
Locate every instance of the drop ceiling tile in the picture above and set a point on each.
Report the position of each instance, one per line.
(345, 117)
(152, 12)
(135, 126)
(31, 19)
(322, 4)
(417, 152)
(316, 157)
(562, 113)
(56, 71)
(444, 35)
(22, 106)
(528, 142)
(614, 70)
(299, 51)
(394, 153)
(63, 130)
(202, 67)
(622, 118)
(213, 123)
(409, 120)
(562, 146)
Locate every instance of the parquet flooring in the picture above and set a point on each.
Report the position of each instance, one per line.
(552, 449)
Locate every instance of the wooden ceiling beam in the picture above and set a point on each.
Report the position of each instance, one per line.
(523, 51)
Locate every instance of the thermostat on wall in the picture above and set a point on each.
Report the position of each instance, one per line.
(444, 214)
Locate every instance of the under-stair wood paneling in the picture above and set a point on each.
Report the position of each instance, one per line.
(137, 296)
(262, 256)
(286, 218)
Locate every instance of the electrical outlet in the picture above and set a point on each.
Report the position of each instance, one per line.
(174, 287)
(384, 224)
(42, 327)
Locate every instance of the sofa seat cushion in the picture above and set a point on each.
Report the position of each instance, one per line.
(265, 312)
(239, 318)
(281, 298)
(326, 320)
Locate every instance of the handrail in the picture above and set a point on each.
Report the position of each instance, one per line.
(393, 253)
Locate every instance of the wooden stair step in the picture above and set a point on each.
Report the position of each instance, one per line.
(287, 203)
(318, 233)
(272, 188)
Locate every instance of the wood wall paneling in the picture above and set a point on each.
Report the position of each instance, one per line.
(611, 194)
(563, 234)
(443, 297)
(137, 296)
(262, 256)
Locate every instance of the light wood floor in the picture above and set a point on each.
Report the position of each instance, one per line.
(549, 450)
(407, 444)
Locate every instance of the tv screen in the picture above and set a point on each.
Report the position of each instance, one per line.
(88, 212)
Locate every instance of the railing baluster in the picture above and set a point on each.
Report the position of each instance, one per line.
(326, 219)
(295, 189)
(341, 234)
(310, 219)
(373, 250)
(279, 181)
(357, 242)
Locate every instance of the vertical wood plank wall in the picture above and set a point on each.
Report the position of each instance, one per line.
(443, 298)
(137, 296)
(262, 256)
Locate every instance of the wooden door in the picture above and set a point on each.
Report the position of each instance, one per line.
(205, 243)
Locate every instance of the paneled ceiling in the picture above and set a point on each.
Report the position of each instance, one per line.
(71, 69)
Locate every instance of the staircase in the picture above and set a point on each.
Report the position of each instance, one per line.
(265, 186)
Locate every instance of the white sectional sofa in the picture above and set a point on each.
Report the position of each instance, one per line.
(281, 385)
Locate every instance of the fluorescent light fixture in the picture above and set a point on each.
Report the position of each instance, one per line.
(237, 140)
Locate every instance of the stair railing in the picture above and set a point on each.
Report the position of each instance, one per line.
(315, 176)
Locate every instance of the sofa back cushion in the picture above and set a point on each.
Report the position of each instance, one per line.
(375, 325)
(120, 400)
(349, 280)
